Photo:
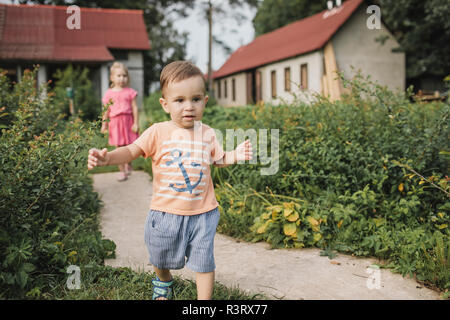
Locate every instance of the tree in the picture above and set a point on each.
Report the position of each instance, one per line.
(274, 14)
(210, 8)
(423, 30)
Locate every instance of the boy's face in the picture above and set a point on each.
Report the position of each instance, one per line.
(185, 100)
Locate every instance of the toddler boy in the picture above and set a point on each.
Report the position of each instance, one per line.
(184, 213)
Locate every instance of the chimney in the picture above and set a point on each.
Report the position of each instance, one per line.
(330, 5)
(338, 3)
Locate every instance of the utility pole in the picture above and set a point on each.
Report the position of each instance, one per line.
(210, 84)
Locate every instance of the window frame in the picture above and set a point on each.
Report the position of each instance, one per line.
(273, 83)
(287, 79)
(233, 89)
(304, 76)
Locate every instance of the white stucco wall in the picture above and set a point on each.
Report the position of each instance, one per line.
(315, 66)
(354, 45)
(135, 65)
(241, 90)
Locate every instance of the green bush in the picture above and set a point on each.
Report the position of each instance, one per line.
(366, 175)
(84, 98)
(153, 111)
(48, 207)
(10, 100)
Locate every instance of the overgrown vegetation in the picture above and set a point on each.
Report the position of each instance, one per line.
(48, 207)
(367, 175)
(85, 103)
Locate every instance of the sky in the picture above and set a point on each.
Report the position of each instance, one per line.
(225, 28)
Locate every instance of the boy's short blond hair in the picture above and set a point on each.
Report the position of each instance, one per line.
(119, 65)
(177, 71)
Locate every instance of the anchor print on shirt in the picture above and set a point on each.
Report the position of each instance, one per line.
(177, 159)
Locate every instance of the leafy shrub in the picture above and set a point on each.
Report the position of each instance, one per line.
(153, 110)
(365, 175)
(86, 104)
(47, 202)
(6, 100)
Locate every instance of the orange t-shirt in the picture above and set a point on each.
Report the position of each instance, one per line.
(181, 158)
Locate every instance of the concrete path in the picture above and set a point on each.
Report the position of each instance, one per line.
(279, 273)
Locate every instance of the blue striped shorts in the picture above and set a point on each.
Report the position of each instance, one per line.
(174, 241)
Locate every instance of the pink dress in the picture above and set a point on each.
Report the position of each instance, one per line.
(120, 116)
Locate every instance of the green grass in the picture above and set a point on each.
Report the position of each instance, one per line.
(107, 283)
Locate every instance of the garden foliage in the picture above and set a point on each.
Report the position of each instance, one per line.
(48, 209)
(366, 175)
(86, 103)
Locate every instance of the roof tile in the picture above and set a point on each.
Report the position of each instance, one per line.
(39, 32)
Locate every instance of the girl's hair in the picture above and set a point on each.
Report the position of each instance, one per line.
(119, 65)
(177, 71)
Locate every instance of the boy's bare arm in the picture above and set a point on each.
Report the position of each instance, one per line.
(98, 158)
(242, 152)
(228, 159)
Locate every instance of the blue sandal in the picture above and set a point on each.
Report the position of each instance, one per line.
(162, 289)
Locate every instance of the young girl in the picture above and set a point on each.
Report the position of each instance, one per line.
(122, 113)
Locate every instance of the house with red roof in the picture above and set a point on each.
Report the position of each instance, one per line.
(302, 58)
(53, 37)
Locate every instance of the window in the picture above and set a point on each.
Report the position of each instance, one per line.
(258, 86)
(304, 76)
(273, 79)
(225, 87)
(287, 79)
(219, 91)
(233, 89)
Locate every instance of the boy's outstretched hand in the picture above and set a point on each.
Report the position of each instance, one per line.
(97, 158)
(244, 151)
